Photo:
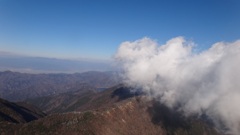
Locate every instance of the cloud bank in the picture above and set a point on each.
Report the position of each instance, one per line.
(206, 82)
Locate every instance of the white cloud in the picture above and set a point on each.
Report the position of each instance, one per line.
(208, 81)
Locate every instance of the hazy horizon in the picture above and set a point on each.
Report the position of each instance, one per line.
(33, 64)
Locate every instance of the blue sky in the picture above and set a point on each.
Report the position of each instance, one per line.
(95, 28)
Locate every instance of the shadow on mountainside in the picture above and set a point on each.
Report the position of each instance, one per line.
(124, 93)
(169, 119)
(175, 123)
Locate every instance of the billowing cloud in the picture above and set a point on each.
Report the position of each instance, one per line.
(206, 82)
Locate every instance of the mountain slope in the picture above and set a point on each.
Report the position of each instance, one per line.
(127, 117)
(118, 112)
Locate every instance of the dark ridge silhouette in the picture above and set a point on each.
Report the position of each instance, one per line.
(24, 112)
(15, 113)
(5, 117)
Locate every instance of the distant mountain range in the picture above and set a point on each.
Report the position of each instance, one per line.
(28, 64)
(20, 86)
(115, 111)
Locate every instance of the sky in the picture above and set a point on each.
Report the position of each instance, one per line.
(94, 29)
